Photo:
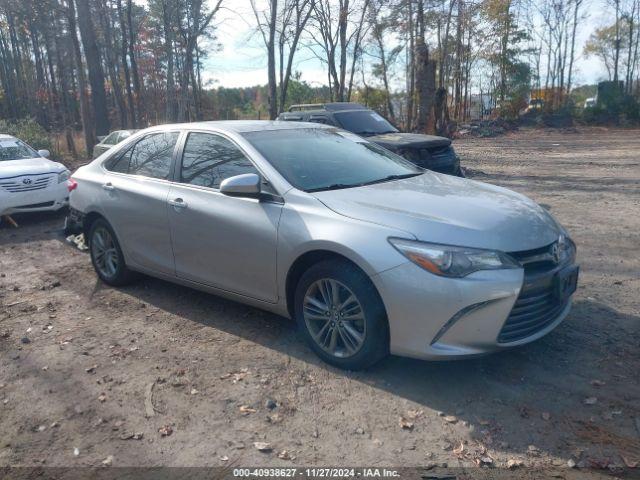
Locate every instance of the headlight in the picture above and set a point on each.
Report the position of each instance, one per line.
(450, 261)
(64, 176)
(567, 249)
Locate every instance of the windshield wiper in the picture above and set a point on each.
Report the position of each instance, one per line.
(392, 177)
(369, 133)
(338, 186)
(335, 186)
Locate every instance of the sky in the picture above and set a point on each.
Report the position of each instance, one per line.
(242, 62)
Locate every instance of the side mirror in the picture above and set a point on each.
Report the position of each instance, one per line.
(44, 153)
(246, 185)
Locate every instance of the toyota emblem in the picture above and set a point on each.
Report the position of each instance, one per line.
(27, 181)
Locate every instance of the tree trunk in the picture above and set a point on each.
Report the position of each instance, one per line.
(85, 108)
(94, 65)
(125, 65)
(573, 46)
(105, 22)
(271, 62)
(168, 48)
(425, 87)
(134, 64)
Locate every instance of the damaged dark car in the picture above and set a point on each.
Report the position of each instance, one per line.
(426, 151)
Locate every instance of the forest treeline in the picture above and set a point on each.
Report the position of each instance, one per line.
(97, 65)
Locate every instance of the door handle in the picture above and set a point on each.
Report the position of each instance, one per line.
(178, 203)
(109, 187)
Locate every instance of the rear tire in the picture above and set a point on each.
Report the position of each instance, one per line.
(341, 315)
(106, 255)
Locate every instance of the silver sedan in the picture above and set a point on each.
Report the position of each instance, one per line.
(368, 253)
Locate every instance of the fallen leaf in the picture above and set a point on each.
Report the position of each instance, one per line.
(514, 463)
(284, 455)
(571, 463)
(102, 397)
(546, 415)
(414, 413)
(459, 449)
(274, 418)
(629, 463)
(246, 410)
(263, 446)
(194, 391)
(166, 430)
(590, 401)
(108, 461)
(406, 424)
(533, 450)
(76, 452)
(598, 383)
(451, 419)
(484, 423)
(224, 458)
(91, 369)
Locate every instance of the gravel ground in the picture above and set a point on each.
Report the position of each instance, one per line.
(158, 374)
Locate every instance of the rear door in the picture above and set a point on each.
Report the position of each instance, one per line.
(222, 241)
(134, 198)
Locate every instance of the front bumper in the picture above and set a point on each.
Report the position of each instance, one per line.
(432, 317)
(52, 198)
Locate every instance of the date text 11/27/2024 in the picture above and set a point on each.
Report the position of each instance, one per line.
(316, 472)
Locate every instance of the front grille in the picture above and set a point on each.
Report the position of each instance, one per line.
(536, 260)
(442, 159)
(18, 185)
(532, 312)
(537, 306)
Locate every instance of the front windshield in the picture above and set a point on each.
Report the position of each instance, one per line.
(314, 159)
(364, 122)
(14, 149)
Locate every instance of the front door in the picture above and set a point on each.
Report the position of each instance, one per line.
(222, 241)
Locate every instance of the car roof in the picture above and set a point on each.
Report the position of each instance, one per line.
(244, 126)
(6, 137)
(326, 107)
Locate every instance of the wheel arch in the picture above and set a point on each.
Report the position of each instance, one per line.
(88, 220)
(306, 260)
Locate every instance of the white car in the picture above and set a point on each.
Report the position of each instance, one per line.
(29, 182)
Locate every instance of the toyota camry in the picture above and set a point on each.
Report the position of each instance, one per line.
(370, 254)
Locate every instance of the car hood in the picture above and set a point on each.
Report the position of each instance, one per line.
(31, 166)
(394, 141)
(449, 210)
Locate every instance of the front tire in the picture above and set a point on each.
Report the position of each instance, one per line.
(106, 255)
(341, 315)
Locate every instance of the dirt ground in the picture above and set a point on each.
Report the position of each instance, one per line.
(158, 374)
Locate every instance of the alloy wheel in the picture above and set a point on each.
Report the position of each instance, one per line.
(104, 252)
(334, 317)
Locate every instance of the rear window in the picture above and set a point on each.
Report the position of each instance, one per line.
(364, 122)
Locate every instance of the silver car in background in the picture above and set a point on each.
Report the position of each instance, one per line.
(110, 140)
(368, 253)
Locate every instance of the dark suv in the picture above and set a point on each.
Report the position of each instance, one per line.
(427, 151)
